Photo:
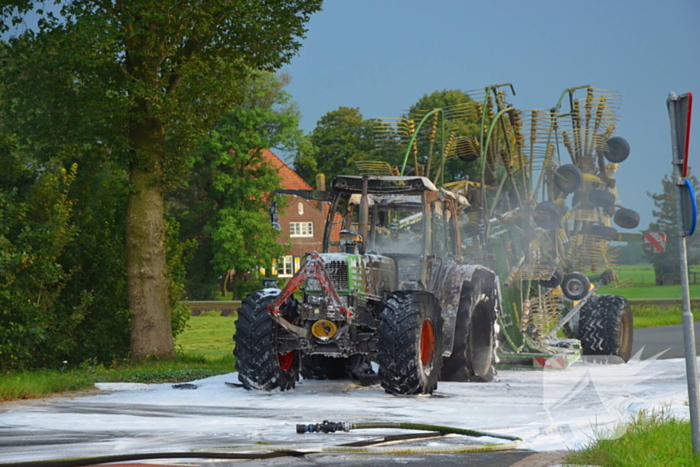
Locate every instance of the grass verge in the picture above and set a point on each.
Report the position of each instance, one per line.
(32, 384)
(651, 438)
(648, 316)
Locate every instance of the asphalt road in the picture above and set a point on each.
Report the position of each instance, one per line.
(60, 427)
(666, 341)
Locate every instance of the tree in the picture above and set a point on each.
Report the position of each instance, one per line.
(666, 264)
(153, 77)
(341, 138)
(455, 169)
(224, 206)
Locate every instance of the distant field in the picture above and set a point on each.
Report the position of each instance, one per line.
(638, 281)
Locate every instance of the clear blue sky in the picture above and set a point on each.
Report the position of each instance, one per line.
(383, 55)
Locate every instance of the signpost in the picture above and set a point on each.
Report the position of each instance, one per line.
(680, 111)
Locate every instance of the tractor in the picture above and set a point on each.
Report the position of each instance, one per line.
(389, 287)
(434, 276)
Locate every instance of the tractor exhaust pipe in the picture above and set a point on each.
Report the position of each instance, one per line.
(364, 214)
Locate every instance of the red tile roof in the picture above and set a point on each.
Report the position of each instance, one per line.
(290, 179)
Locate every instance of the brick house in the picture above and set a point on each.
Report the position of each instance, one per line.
(302, 222)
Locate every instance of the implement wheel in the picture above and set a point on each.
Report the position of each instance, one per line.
(605, 327)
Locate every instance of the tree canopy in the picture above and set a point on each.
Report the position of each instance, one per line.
(223, 206)
(341, 138)
(139, 84)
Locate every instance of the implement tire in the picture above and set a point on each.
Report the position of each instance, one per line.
(605, 326)
(474, 350)
(257, 361)
(410, 343)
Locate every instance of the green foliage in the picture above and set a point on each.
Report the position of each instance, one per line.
(177, 256)
(134, 87)
(341, 138)
(455, 169)
(666, 265)
(34, 231)
(649, 438)
(224, 207)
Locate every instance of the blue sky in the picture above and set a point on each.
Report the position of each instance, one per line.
(383, 55)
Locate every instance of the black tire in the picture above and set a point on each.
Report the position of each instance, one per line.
(608, 233)
(410, 343)
(474, 350)
(602, 198)
(575, 286)
(618, 149)
(626, 218)
(556, 277)
(548, 215)
(605, 327)
(323, 367)
(467, 150)
(257, 361)
(568, 178)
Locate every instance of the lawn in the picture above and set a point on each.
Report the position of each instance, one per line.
(208, 335)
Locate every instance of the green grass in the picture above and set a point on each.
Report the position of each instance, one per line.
(649, 316)
(208, 335)
(650, 439)
(638, 281)
(31, 384)
(204, 349)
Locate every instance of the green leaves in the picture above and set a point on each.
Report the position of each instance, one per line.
(340, 138)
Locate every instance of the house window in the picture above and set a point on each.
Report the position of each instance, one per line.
(301, 229)
(285, 266)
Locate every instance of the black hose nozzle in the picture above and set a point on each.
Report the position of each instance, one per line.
(326, 427)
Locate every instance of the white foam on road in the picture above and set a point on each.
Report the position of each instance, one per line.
(549, 410)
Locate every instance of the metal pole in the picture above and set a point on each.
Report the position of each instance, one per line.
(691, 367)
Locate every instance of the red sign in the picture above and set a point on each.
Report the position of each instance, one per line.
(656, 240)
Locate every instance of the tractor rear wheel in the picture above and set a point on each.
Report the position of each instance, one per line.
(410, 343)
(605, 327)
(474, 351)
(259, 364)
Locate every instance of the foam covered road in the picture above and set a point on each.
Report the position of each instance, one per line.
(550, 410)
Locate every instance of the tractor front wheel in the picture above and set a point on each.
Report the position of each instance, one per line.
(410, 343)
(259, 364)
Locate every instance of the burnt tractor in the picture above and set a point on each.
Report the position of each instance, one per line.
(492, 251)
(389, 287)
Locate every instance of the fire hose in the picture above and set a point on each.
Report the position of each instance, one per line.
(371, 446)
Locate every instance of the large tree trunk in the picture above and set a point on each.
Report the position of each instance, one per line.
(147, 283)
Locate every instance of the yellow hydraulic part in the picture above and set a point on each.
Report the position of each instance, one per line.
(324, 329)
